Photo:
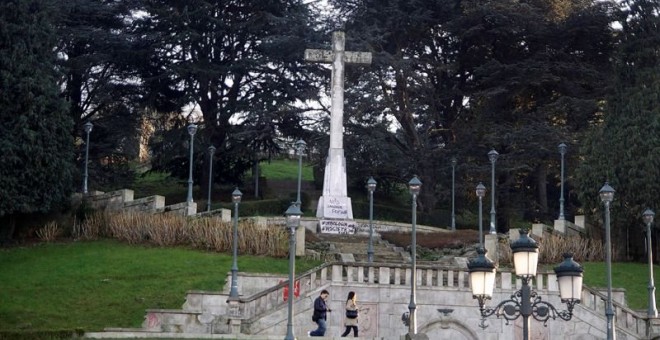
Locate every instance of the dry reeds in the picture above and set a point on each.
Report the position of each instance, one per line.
(553, 246)
(207, 233)
(49, 232)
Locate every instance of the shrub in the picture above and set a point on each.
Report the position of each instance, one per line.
(49, 232)
(207, 233)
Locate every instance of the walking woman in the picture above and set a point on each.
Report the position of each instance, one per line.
(351, 320)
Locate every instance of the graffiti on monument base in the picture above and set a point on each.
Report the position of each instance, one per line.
(337, 227)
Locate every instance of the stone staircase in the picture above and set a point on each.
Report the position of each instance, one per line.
(353, 248)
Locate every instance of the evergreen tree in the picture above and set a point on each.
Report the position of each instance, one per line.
(624, 146)
(459, 78)
(239, 63)
(35, 129)
(537, 77)
(98, 62)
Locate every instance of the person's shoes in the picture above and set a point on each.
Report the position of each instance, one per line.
(309, 333)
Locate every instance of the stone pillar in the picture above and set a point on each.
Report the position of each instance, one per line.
(490, 243)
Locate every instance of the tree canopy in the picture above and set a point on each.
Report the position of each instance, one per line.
(35, 130)
(448, 79)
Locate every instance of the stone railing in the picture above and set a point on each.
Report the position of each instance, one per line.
(253, 307)
(124, 200)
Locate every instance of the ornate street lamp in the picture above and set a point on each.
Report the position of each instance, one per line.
(293, 215)
(300, 148)
(606, 196)
(87, 128)
(492, 156)
(481, 191)
(414, 187)
(647, 216)
(211, 152)
(525, 302)
(562, 151)
(192, 129)
(371, 186)
(482, 277)
(236, 199)
(453, 190)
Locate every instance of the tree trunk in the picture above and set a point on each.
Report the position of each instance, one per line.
(542, 188)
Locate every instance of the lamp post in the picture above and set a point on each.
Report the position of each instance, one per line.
(413, 186)
(562, 151)
(371, 186)
(453, 183)
(233, 293)
(648, 220)
(88, 128)
(492, 156)
(211, 152)
(292, 222)
(192, 129)
(525, 302)
(481, 191)
(606, 196)
(300, 148)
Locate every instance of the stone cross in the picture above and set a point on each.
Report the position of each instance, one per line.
(335, 202)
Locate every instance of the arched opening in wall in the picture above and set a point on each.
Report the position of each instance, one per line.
(448, 328)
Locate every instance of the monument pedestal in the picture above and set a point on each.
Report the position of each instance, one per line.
(335, 204)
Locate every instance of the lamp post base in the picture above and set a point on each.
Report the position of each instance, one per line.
(418, 336)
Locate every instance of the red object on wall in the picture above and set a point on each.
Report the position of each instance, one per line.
(296, 290)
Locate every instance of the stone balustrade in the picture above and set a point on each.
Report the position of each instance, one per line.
(265, 311)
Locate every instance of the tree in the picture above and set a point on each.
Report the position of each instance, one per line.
(411, 84)
(536, 80)
(35, 129)
(98, 62)
(459, 78)
(239, 64)
(624, 146)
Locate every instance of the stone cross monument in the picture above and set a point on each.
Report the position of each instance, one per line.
(335, 203)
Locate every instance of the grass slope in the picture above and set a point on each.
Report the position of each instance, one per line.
(93, 285)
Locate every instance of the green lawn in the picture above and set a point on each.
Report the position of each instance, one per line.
(631, 276)
(285, 169)
(92, 285)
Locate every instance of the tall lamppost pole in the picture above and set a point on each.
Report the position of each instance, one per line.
(562, 151)
(492, 156)
(606, 196)
(211, 152)
(481, 191)
(233, 293)
(414, 187)
(648, 220)
(192, 129)
(292, 222)
(453, 184)
(371, 186)
(88, 128)
(525, 302)
(300, 148)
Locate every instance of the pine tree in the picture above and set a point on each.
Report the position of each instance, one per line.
(624, 147)
(35, 130)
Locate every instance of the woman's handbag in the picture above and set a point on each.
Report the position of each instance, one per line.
(351, 314)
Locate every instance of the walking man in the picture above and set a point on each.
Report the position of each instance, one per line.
(320, 313)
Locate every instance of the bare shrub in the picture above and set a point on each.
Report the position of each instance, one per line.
(49, 232)
(206, 233)
(553, 246)
(91, 228)
(165, 229)
(210, 234)
(127, 226)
